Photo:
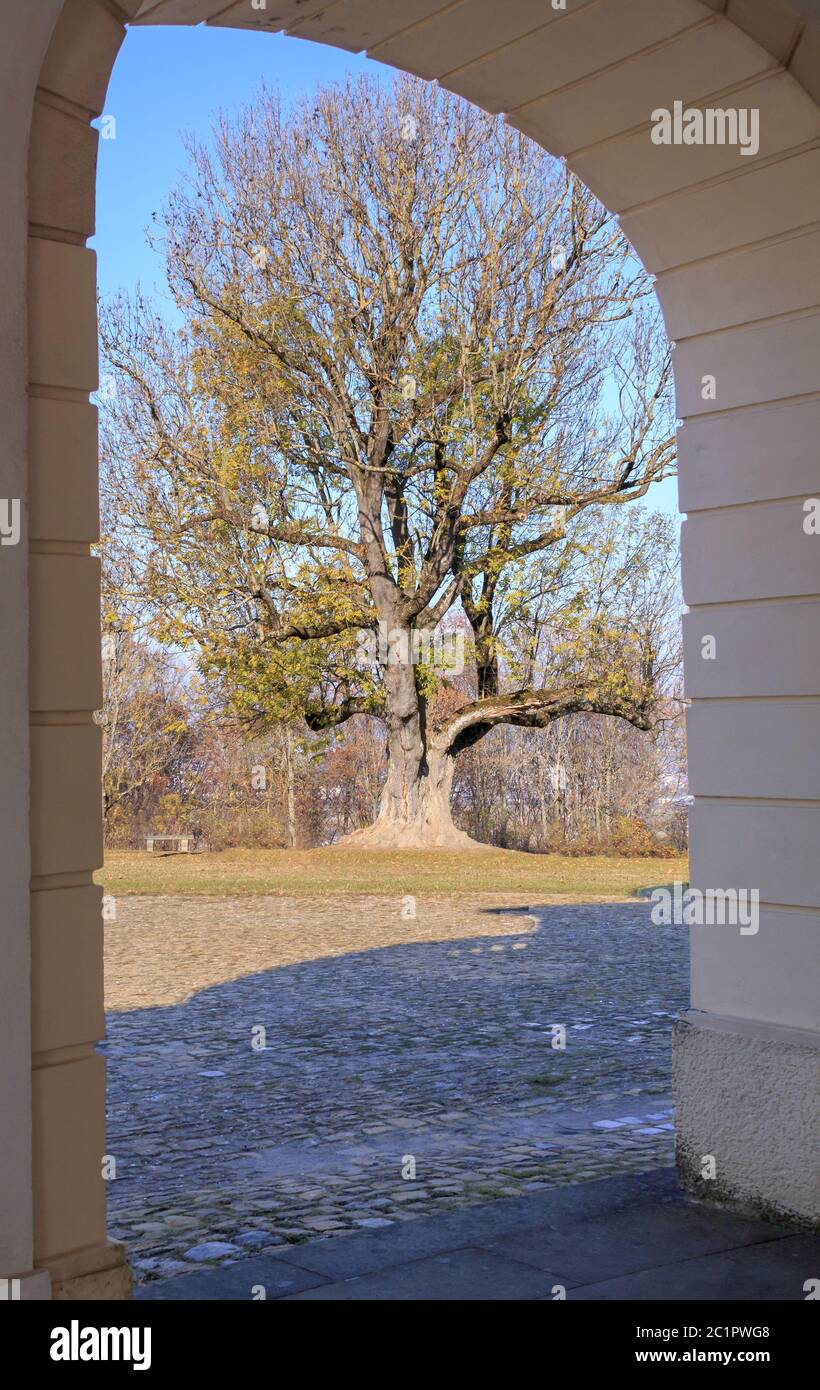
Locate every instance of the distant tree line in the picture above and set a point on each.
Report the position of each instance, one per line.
(173, 764)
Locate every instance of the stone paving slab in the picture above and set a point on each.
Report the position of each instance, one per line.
(771, 1271)
(238, 1282)
(622, 1242)
(478, 1275)
(504, 1250)
(481, 1225)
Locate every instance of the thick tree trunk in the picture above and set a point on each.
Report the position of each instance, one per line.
(415, 806)
(414, 812)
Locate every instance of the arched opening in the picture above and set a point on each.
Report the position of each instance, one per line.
(733, 243)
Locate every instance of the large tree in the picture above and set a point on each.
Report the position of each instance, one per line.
(409, 360)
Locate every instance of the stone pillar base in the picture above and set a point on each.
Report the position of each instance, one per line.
(746, 1111)
(97, 1272)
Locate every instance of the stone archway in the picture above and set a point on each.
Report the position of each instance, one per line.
(734, 244)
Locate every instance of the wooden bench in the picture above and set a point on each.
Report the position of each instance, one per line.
(182, 842)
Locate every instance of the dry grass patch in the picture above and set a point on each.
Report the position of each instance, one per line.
(339, 870)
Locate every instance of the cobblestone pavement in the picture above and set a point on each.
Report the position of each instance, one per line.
(299, 1100)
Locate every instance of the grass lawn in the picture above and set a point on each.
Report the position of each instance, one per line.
(320, 872)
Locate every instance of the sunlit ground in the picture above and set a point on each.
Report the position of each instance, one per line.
(163, 950)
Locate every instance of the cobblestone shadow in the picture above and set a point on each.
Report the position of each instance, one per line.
(299, 1100)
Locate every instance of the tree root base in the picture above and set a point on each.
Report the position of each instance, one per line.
(410, 837)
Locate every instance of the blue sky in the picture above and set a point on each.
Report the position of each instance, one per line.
(166, 81)
(169, 80)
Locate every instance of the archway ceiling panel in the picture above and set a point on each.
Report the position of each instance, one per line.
(470, 30)
(461, 34)
(805, 65)
(181, 11)
(775, 24)
(755, 282)
(767, 199)
(774, 360)
(771, 442)
(362, 24)
(695, 64)
(566, 51)
(632, 170)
